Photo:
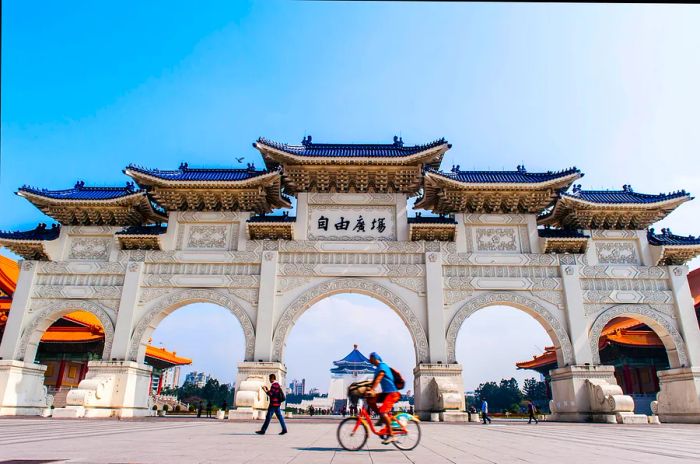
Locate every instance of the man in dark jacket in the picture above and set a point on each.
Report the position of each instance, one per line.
(276, 396)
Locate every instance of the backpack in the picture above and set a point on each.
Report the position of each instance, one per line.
(283, 397)
(398, 380)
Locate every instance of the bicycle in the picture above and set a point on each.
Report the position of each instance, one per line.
(353, 432)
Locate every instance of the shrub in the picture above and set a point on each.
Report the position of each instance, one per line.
(166, 408)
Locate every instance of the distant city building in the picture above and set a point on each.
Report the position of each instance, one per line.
(314, 391)
(171, 377)
(297, 388)
(198, 379)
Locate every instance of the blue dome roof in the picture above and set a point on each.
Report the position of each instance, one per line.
(354, 362)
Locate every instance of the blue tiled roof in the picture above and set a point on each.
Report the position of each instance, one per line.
(265, 218)
(390, 150)
(40, 233)
(186, 174)
(353, 362)
(626, 195)
(81, 192)
(420, 219)
(519, 176)
(155, 229)
(560, 233)
(668, 238)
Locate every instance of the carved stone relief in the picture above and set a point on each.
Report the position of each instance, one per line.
(74, 291)
(309, 297)
(208, 236)
(496, 239)
(89, 248)
(616, 252)
(415, 284)
(352, 199)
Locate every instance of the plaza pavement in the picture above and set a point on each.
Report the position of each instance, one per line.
(173, 440)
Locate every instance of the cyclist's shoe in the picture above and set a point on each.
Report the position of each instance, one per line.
(379, 422)
(388, 440)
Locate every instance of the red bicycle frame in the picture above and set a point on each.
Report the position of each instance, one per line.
(363, 417)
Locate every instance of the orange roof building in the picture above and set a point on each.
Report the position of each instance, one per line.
(72, 341)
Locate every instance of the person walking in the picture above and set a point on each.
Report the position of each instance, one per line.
(209, 408)
(277, 397)
(485, 412)
(531, 410)
(224, 407)
(199, 409)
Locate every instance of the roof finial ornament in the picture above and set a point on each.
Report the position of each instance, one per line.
(354, 346)
(306, 141)
(627, 188)
(251, 166)
(80, 184)
(183, 166)
(521, 168)
(130, 186)
(455, 168)
(577, 189)
(398, 141)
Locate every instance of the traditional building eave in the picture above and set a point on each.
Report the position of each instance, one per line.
(563, 241)
(76, 207)
(257, 191)
(575, 211)
(30, 245)
(442, 228)
(141, 237)
(670, 249)
(271, 227)
(446, 193)
(389, 168)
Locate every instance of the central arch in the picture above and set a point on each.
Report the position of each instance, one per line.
(169, 303)
(561, 340)
(349, 285)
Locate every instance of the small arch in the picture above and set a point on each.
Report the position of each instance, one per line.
(667, 332)
(169, 303)
(558, 334)
(32, 333)
(349, 285)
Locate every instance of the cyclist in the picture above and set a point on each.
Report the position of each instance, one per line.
(389, 395)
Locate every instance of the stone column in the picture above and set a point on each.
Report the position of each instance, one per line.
(126, 316)
(437, 341)
(532, 233)
(22, 390)
(577, 323)
(439, 388)
(678, 399)
(266, 307)
(19, 311)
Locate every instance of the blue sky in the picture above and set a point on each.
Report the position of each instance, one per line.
(88, 87)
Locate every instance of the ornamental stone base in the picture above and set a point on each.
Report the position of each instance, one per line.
(251, 400)
(589, 394)
(110, 389)
(22, 390)
(679, 397)
(439, 388)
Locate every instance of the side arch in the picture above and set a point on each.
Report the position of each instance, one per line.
(43, 319)
(169, 303)
(349, 285)
(671, 338)
(558, 334)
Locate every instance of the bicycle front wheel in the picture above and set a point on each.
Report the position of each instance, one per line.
(352, 435)
(410, 439)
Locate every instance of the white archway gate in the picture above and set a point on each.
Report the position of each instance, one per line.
(267, 272)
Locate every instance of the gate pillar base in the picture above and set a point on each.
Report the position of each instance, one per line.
(250, 398)
(589, 394)
(22, 390)
(110, 389)
(439, 388)
(679, 397)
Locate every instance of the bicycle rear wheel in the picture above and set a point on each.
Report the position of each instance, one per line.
(409, 440)
(351, 435)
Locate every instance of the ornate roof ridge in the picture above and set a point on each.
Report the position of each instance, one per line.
(152, 229)
(666, 237)
(284, 217)
(520, 170)
(80, 186)
(579, 193)
(184, 167)
(549, 232)
(438, 219)
(307, 144)
(40, 232)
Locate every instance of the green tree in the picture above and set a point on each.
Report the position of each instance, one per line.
(504, 396)
(536, 391)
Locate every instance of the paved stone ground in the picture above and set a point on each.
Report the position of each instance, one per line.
(165, 440)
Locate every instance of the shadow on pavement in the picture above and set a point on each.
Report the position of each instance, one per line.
(323, 448)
